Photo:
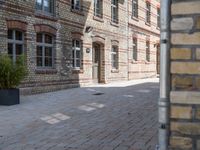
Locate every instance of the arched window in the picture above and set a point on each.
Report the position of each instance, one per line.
(15, 43)
(45, 53)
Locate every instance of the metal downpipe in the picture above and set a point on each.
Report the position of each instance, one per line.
(163, 101)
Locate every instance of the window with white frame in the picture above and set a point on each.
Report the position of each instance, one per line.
(46, 6)
(98, 8)
(158, 17)
(114, 57)
(44, 50)
(135, 8)
(76, 4)
(114, 11)
(76, 53)
(135, 49)
(148, 12)
(147, 50)
(15, 44)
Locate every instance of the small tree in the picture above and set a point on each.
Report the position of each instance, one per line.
(11, 74)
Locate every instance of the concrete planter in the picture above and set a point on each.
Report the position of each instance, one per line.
(9, 97)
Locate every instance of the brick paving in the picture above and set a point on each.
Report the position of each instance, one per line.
(120, 116)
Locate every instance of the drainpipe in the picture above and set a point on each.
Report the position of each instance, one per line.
(127, 35)
(163, 102)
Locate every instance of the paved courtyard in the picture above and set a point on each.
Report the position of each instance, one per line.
(117, 116)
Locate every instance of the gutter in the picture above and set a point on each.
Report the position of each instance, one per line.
(164, 102)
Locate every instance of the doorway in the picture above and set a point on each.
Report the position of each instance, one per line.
(96, 62)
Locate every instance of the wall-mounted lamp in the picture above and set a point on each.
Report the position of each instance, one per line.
(88, 29)
(88, 50)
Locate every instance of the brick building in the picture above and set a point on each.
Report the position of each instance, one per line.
(185, 79)
(77, 42)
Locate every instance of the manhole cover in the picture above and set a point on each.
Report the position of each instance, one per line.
(98, 94)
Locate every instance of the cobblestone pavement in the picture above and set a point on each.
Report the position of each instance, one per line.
(119, 116)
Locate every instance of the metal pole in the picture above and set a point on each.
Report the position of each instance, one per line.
(164, 76)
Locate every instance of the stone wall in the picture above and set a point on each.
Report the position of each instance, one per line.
(185, 75)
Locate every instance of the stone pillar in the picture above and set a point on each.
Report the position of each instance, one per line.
(185, 75)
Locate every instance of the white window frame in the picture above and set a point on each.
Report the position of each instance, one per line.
(74, 50)
(114, 53)
(43, 45)
(135, 51)
(148, 12)
(76, 5)
(98, 6)
(14, 42)
(148, 50)
(135, 8)
(114, 11)
(43, 7)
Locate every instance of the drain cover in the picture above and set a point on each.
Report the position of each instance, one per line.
(98, 94)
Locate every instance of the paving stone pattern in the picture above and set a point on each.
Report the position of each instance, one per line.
(120, 118)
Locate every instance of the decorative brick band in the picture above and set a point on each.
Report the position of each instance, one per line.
(45, 28)
(115, 42)
(77, 35)
(98, 39)
(16, 24)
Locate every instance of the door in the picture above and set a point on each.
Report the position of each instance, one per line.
(96, 62)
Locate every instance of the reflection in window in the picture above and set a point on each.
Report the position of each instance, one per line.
(45, 5)
(44, 50)
(15, 44)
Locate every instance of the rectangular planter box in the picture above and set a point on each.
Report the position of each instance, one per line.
(9, 97)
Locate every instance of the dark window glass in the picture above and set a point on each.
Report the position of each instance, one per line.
(18, 35)
(48, 39)
(135, 8)
(135, 49)
(45, 5)
(39, 38)
(10, 34)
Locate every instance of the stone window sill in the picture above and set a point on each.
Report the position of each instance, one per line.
(44, 15)
(115, 71)
(134, 61)
(148, 24)
(114, 24)
(77, 71)
(45, 71)
(79, 12)
(98, 19)
(134, 18)
(147, 62)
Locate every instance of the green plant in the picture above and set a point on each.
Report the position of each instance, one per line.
(11, 74)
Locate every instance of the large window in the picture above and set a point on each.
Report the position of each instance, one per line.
(46, 6)
(135, 49)
(158, 17)
(148, 12)
(98, 8)
(44, 50)
(76, 53)
(76, 4)
(147, 51)
(114, 57)
(114, 11)
(135, 8)
(15, 44)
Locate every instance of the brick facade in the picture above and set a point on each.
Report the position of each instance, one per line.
(66, 24)
(184, 95)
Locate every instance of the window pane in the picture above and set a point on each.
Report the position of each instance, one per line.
(73, 54)
(19, 49)
(77, 54)
(39, 61)
(48, 61)
(39, 51)
(39, 37)
(39, 4)
(10, 49)
(47, 5)
(77, 43)
(10, 34)
(18, 35)
(78, 63)
(48, 39)
(48, 51)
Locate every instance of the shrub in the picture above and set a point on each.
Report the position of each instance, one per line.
(11, 74)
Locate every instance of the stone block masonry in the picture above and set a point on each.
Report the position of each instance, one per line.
(185, 75)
